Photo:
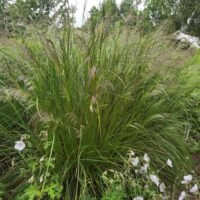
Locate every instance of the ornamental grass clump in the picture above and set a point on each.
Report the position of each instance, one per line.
(84, 102)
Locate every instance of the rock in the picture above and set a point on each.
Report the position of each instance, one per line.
(185, 41)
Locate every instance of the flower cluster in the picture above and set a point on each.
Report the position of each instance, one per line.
(190, 185)
(39, 174)
(142, 167)
(146, 177)
(136, 177)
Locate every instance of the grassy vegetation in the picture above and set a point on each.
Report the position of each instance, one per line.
(80, 103)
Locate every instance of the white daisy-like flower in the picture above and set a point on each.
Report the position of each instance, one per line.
(194, 189)
(187, 179)
(136, 171)
(31, 179)
(162, 187)
(138, 198)
(146, 158)
(135, 161)
(42, 158)
(19, 145)
(154, 179)
(182, 196)
(169, 163)
(132, 153)
(144, 168)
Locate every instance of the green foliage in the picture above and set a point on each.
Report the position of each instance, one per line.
(2, 187)
(188, 15)
(18, 17)
(53, 191)
(183, 14)
(30, 193)
(4, 17)
(33, 9)
(126, 7)
(96, 17)
(108, 13)
(159, 10)
(83, 107)
(2, 10)
(191, 74)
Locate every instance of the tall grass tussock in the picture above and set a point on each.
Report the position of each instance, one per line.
(80, 103)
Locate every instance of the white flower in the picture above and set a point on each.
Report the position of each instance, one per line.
(182, 196)
(187, 179)
(135, 161)
(154, 179)
(19, 145)
(41, 179)
(30, 180)
(138, 198)
(136, 171)
(169, 163)
(144, 168)
(146, 158)
(194, 189)
(42, 158)
(162, 187)
(132, 153)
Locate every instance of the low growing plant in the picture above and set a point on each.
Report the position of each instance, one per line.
(138, 181)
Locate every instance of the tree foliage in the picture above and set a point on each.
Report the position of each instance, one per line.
(184, 14)
(33, 9)
(108, 13)
(4, 16)
(189, 16)
(126, 7)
